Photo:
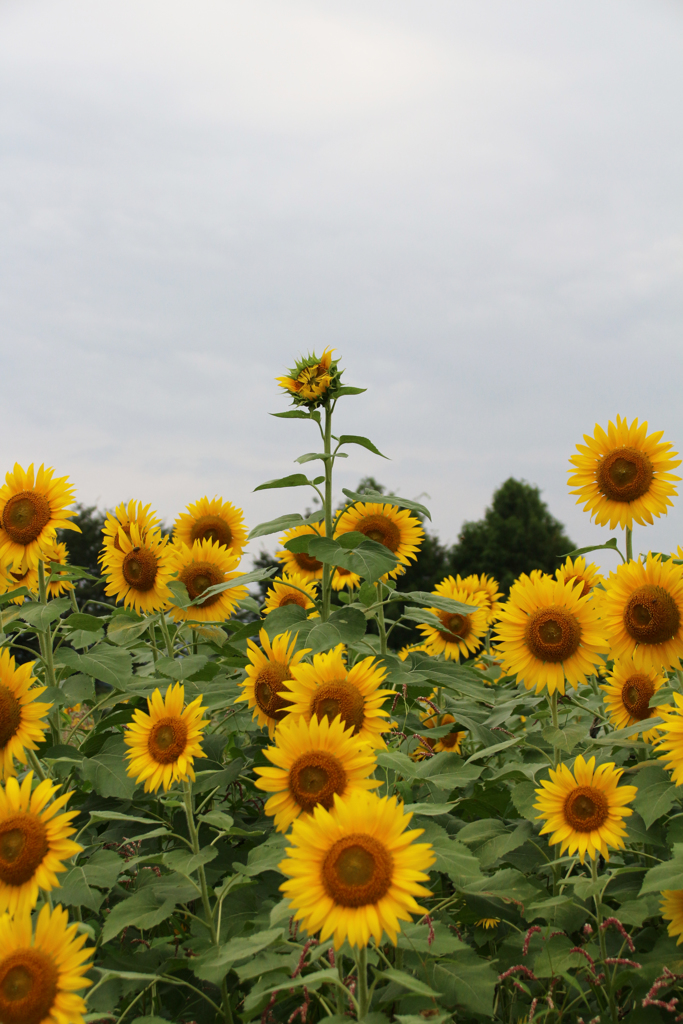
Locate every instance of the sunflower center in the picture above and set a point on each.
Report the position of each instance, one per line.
(28, 986)
(307, 562)
(552, 634)
(198, 577)
(167, 739)
(10, 715)
(25, 516)
(625, 474)
(339, 698)
(586, 809)
(451, 739)
(586, 589)
(635, 695)
(212, 528)
(139, 569)
(382, 530)
(315, 777)
(457, 627)
(266, 690)
(23, 845)
(126, 530)
(292, 597)
(651, 615)
(357, 870)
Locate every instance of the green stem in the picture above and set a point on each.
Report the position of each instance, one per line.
(36, 765)
(327, 569)
(361, 956)
(552, 700)
(603, 945)
(167, 635)
(629, 544)
(380, 621)
(45, 640)
(72, 598)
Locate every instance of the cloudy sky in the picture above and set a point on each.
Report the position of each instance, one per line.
(479, 205)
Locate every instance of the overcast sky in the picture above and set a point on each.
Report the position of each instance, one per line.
(478, 204)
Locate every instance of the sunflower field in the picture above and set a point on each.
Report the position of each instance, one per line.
(217, 810)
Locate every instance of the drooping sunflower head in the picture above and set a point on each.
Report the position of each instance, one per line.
(672, 911)
(585, 810)
(206, 564)
(487, 587)
(327, 688)
(10, 579)
(123, 518)
(410, 649)
(342, 578)
(41, 972)
(164, 743)
(33, 506)
(34, 842)
(300, 563)
(460, 633)
(354, 871)
(55, 555)
(268, 673)
(577, 571)
(290, 589)
(313, 379)
(623, 475)
(389, 525)
(313, 760)
(23, 722)
(548, 633)
(139, 570)
(215, 520)
(628, 692)
(642, 612)
(452, 741)
(488, 923)
(670, 743)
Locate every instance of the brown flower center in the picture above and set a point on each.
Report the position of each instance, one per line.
(126, 530)
(586, 809)
(651, 615)
(292, 597)
(357, 870)
(268, 685)
(28, 986)
(457, 627)
(10, 715)
(139, 569)
(339, 698)
(25, 516)
(381, 529)
(307, 562)
(315, 777)
(23, 845)
(212, 528)
(586, 589)
(636, 693)
(552, 634)
(198, 577)
(624, 474)
(450, 740)
(167, 739)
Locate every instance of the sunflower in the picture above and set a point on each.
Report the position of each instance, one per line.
(487, 922)
(165, 742)
(125, 516)
(584, 811)
(628, 692)
(34, 842)
(672, 911)
(269, 669)
(214, 520)
(11, 580)
(578, 570)
(670, 744)
(33, 506)
(288, 590)
(344, 578)
(313, 761)
(623, 476)
(409, 649)
(354, 871)
(395, 528)
(138, 572)
(298, 563)
(206, 564)
(548, 633)
(461, 633)
(328, 688)
(311, 379)
(57, 554)
(452, 741)
(22, 724)
(486, 586)
(41, 973)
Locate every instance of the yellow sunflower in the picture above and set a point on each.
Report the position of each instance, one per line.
(388, 525)
(344, 578)
(269, 669)
(585, 811)
(33, 506)
(11, 580)
(487, 922)
(488, 587)
(313, 761)
(672, 911)
(452, 741)
(165, 742)
(22, 724)
(311, 378)
(41, 973)
(34, 842)
(642, 612)
(461, 633)
(328, 688)
(354, 871)
(628, 692)
(138, 572)
(589, 575)
(409, 649)
(670, 744)
(623, 476)
(204, 565)
(288, 591)
(57, 554)
(125, 516)
(548, 633)
(298, 563)
(216, 520)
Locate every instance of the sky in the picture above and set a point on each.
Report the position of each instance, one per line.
(478, 205)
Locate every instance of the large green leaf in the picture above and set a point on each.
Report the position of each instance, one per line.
(446, 604)
(144, 909)
(668, 875)
(111, 665)
(467, 981)
(283, 523)
(181, 668)
(369, 560)
(362, 441)
(214, 964)
(41, 615)
(373, 497)
(656, 793)
(408, 981)
(293, 480)
(322, 637)
(106, 770)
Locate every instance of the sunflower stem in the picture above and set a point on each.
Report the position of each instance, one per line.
(629, 544)
(552, 700)
(35, 764)
(167, 635)
(327, 569)
(45, 639)
(361, 957)
(603, 944)
(380, 621)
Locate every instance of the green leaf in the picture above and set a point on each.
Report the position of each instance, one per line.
(610, 545)
(292, 414)
(447, 771)
(656, 793)
(490, 848)
(322, 637)
(104, 662)
(665, 876)
(144, 909)
(74, 890)
(346, 390)
(363, 441)
(567, 737)
(282, 620)
(350, 623)
(467, 981)
(214, 964)
(185, 862)
(41, 615)
(104, 867)
(524, 797)
(408, 981)
(106, 771)
(506, 884)
(89, 623)
(124, 630)
(314, 456)
(369, 560)
(181, 668)
(265, 857)
(445, 604)
(283, 523)
(373, 497)
(219, 819)
(293, 480)
(430, 810)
